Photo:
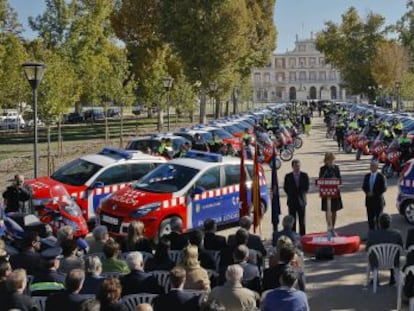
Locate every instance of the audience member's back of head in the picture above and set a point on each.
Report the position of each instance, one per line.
(100, 233)
(176, 225)
(234, 273)
(177, 277)
(74, 280)
(144, 307)
(29, 238)
(245, 222)
(93, 265)
(135, 261)
(213, 305)
(111, 249)
(196, 238)
(68, 247)
(282, 242)
(240, 253)
(288, 222)
(210, 225)
(17, 280)
(90, 305)
(286, 253)
(288, 276)
(241, 237)
(384, 221)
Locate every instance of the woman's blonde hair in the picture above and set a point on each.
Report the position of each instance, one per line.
(190, 256)
(329, 156)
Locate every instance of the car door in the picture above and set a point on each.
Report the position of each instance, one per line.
(207, 204)
(231, 202)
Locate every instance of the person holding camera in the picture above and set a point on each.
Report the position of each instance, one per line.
(17, 196)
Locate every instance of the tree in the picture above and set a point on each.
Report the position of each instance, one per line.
(405, 29)
(8, 19)
(352, 47)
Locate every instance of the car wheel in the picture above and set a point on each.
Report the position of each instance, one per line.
(165, 226)
(409, 211)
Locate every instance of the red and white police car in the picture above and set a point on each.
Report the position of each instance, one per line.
(90, 178)
(194, 188)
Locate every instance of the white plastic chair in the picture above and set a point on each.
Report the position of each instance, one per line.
(131, 301)
(39, 302)
(175, 256)
(163, 278)
(385, 254)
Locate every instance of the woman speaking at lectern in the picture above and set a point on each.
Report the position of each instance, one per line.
(331, 170)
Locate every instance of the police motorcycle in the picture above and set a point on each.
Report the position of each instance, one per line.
(393, 160)
(60, 209)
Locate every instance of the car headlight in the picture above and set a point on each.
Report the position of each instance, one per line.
(72, 209)
(71, 223)
(145, 209)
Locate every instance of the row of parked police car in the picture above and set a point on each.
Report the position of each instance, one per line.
(114, 187)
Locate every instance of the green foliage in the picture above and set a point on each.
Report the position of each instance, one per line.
(405, 29)
(352, 47)
(8, 19)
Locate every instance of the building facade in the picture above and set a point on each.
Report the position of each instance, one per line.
(301, 74)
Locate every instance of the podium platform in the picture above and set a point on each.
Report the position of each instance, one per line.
(343, 244)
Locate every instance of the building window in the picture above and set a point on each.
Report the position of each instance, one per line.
(302, 48)
(280, 63)
(332, 75)
(266, 78)
(265, 94)
(322, 76)
(257, 77)
(292, 76)
(312, 61)
(302, 76)
(292, 62)
(322, 61)
(280, 76)
(312, 76)
(302, 62)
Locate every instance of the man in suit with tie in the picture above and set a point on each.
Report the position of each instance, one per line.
(374, 186)
(296, 185)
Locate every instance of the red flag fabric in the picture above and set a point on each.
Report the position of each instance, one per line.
(257, 211)
(244, 204)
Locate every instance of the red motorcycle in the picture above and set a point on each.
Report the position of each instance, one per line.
(379, 149)
(351, 141)
(393, 163)
(363, 146)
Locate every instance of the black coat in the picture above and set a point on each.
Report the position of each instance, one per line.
(214, 242)
(296, 196)
(91, 285)
(17, 197)
(376, 200)
(64, 301)
(254, 242)
(18, 301)
(331, 172)
(29, 260)
(137, 282)
(176, 300)
(178, 241)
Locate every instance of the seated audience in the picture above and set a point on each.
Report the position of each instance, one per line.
(15, 298)
(29, 258)
(93, 278)
(205, 258)
(213, 241)
(176, 237)
(5, 271)
(271, 275)
(144, 307)
(385, 234)
(90, 305)
(70, 259)
(254, 241)
(100, 237)
(177, 298)
(232, 294)
(138, 281)
(288, 222)
(69, 299)
(251, 273)
(196, 277)
(161, 259)
(285, 297)
(135, 239)
(111, 263)
(109, 295)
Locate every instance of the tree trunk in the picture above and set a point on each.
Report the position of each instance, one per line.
(121, 130)
(234, 98)
(60, 139)
(106, 125)
(227, 108)
(217, 113)
(203, 118)
(160, 123)
(49, 160)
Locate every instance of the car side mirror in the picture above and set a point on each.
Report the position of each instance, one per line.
(98, 184)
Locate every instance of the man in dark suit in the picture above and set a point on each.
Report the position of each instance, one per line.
(29, 258)
(374, 186)
(177, 238)
(69, 299)
(384, 235)
(205, 258)
(288, 222)
(14, 298)
(212, 241)
(296, 186)
(254, 241)
(271, 276)
(176, 298)
(138, 281)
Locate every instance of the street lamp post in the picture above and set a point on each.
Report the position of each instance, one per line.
(213, 89)
(34, 74)
(397, 90)
(167, 86)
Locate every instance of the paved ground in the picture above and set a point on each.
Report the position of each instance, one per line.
(339, 284)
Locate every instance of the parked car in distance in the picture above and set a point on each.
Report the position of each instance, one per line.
(39, 123)
(113, 112)
(13, 122)
(94, 114)
(137, 110)
(74, 117)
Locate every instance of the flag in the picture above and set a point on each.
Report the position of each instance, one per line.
(243, 201)
(257, 212)
(275, 192)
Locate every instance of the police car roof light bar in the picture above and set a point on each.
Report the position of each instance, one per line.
(110, 151)
(204, 156)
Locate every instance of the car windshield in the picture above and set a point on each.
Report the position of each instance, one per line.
(76, 173)
(166, 178)
(221, 133)
(232, 129)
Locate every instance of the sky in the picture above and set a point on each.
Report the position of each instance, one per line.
(292, 17)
